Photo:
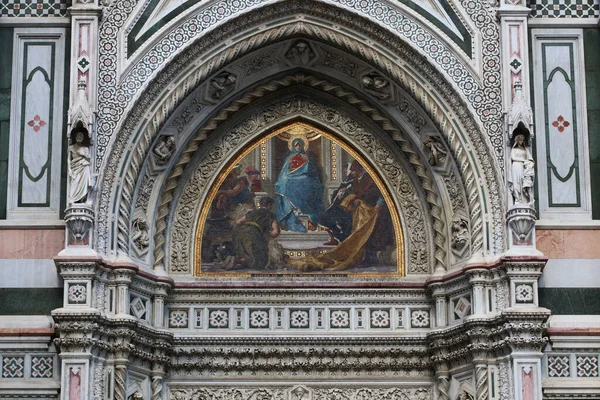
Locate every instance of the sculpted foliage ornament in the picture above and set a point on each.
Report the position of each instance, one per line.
(299, 393)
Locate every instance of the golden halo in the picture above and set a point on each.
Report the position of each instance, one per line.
(298, 136)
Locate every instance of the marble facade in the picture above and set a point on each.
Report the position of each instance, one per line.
(106, 298)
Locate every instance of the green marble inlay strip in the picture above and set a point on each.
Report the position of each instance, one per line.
(6, 43)
(570, 301)
(30, 301)
(591, 44)
(547, 80)
(46, 169)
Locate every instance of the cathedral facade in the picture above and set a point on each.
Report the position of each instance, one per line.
(300, 199)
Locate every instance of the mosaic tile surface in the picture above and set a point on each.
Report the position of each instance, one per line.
(564, 8)
(34, 8)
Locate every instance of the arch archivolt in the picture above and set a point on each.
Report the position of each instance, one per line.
(422, 86)
(188, 206)
(275, 111)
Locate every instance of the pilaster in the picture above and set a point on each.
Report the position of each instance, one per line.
(520, 170)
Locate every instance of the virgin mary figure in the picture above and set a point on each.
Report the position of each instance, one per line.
(298, 189)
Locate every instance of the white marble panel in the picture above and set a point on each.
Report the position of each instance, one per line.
(29, 273)
(565, 273)
(561, 125)
(36, 123)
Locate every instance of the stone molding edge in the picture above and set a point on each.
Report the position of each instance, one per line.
(562, 224)
(186, 284)
(32, 224)
(35, 22)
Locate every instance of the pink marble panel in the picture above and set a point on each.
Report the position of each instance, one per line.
(527, 383)
(31, 243)
(75, 384)
(569, 243)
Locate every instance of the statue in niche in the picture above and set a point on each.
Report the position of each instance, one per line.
(460, 234)
(164, 149)
(437, 152)
(79, 164)
(140, 237)
(377, 86)
(221, 84)
(300, 53)
(522, 171)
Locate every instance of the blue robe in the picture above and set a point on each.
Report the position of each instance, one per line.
(298, 191)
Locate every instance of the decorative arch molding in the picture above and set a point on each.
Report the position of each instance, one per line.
(273, 111)
(435, 97)
(440, 17)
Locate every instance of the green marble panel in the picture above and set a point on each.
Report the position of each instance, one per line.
(30, 301)
(591, 43)
(570, 301)
(6, 44)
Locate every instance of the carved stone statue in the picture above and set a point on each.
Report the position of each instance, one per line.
(221, 84)
(436, 151)
(140, 237)
(460, 234)
(521, 174)
(300, 53)
(79, 164)
(163, 150)
(377, 86)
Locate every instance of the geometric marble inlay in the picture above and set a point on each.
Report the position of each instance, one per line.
(524, 293)
(13, 367)
(218, 319)
(380, 319)
(259, 318)
(560, 123)
(31, 8)
(41, 367)
(83, 64)
(178, 319)
(462, 307)
(587, 366)
(558, 366)
(340, 319)
(299, 318)
(419, 318)
(564, 8)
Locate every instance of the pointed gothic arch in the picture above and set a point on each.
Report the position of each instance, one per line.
(453, 120)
